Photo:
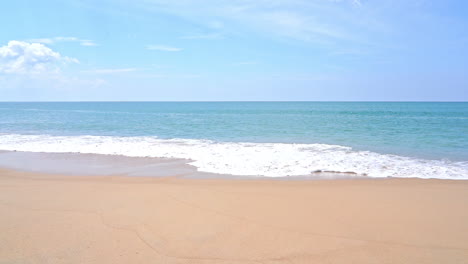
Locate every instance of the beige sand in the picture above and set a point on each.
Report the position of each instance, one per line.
(69, 219)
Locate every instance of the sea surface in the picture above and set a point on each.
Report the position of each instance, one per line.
(375, 139)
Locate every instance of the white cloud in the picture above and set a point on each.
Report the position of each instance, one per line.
(202, 36)
(23, 57)
(82, 42)
(172, 76)
(162, 48)
(111, 71)
(66, 39)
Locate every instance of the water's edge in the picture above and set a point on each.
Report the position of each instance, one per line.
(77, 164)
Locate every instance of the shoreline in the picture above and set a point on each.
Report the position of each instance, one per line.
(99, 164)
(119, 219)
(89, 164)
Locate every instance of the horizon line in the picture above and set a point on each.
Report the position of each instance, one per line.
(235, 101)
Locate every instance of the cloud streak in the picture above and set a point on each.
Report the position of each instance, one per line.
(163, 48)
(50, 41)
(112, 71)
(312, 21)
(202, 36)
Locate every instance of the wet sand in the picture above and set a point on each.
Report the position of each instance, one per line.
(52, 218)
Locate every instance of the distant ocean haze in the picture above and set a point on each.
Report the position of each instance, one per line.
(378, 139)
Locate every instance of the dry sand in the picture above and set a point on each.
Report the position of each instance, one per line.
(72, 219)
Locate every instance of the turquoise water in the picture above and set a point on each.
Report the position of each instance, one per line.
(431, 131)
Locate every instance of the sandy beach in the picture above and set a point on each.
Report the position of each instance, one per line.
(49, 218)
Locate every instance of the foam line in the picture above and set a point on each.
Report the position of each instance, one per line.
(265, 159)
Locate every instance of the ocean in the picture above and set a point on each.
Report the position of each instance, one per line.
(375, 139)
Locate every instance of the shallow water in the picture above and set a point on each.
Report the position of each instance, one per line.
(427, 140)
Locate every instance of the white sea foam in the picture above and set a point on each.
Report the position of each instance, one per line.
(266, 159)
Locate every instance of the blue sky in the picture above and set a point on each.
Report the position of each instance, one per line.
(190, 50)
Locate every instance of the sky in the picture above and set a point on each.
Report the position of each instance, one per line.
(234, 50)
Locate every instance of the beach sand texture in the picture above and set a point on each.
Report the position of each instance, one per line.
(49, 218)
